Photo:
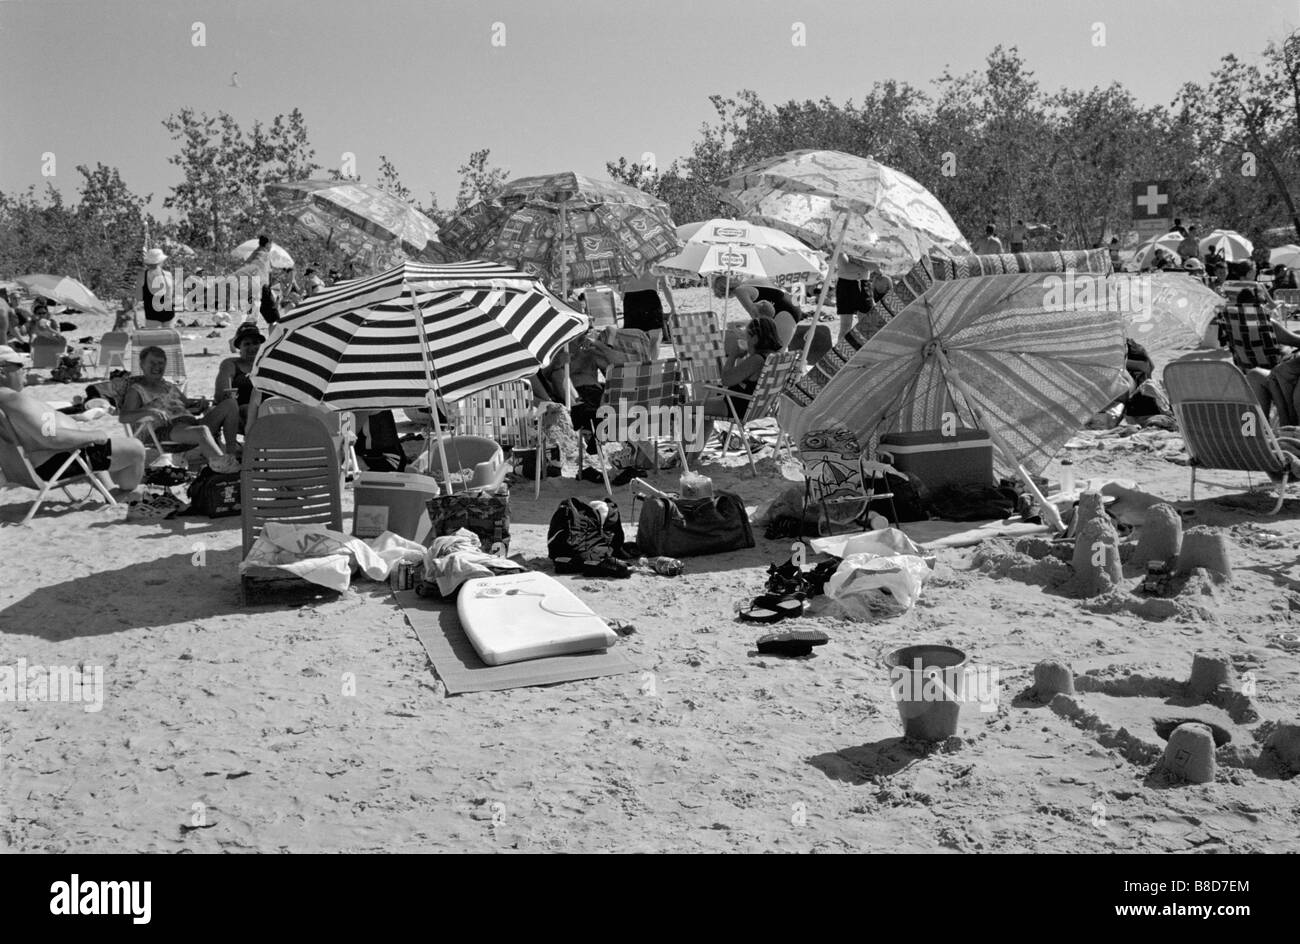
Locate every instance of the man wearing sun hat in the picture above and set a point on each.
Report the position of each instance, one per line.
(48, 437)
(158, 290)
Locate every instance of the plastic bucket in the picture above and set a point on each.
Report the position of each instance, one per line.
(928, 684)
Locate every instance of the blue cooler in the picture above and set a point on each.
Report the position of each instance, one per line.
(965, 458)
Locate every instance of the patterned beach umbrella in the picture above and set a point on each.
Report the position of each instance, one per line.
(364, 222)
(361, 345)
(1011, 354)
(1165, 312)
(892, 220)
(742, 248)
(63, 291)
(567, 229)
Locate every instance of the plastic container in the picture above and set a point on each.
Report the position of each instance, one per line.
(1067, 476)
(928, 683)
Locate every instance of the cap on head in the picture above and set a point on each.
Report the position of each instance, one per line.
(11, 358)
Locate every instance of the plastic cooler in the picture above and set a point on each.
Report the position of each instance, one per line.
(393, 501)
(965, 458)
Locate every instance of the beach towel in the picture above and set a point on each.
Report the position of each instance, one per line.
(326, 557)
(454, 558)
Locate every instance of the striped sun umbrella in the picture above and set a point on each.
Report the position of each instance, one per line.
(391, 339)
(567, 228)
(1027, 358)
(362, 221)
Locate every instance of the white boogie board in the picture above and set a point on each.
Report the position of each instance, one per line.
(528, 616)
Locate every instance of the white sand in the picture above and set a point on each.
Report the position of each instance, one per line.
(235, 719)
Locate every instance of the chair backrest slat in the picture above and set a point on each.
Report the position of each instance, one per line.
(1220, 418)
(291, 473)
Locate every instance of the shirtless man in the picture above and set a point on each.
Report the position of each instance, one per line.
(48, 436)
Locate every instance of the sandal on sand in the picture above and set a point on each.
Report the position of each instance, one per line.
(773, 607)
(797, 642)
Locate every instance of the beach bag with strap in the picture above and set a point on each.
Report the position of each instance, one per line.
(487, 514)
(577, 533)
(215, 494)
(691, 527)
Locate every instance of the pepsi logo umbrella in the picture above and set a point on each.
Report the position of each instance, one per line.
(392, 339)
(740, 248)
(362, 221)
(567, 228)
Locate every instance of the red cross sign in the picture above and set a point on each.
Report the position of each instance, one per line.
(1152, 200)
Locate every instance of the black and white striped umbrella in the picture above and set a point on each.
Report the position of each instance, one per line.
(358, 345)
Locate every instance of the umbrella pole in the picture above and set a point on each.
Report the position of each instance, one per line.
(1048, 510)
(559, 248)
(826, 287)
(431, 397)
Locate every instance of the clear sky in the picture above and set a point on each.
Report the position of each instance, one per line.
(575, 84)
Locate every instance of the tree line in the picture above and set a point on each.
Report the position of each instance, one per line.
(993, 145)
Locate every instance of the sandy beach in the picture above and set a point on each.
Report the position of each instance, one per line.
(229, 729)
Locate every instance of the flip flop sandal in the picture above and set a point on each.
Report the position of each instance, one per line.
(794, 643)
(772, 607)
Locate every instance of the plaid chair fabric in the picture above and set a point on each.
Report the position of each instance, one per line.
(767, 394)
(699, 346)
(1251, 337)
(648, 385)
(500, 413)
(635, 343)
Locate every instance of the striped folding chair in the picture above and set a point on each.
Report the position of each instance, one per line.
(113, 349)
(1224, 426)
(699, 346)
(765, 399)
(47, 351)
(504, 414)
(601, 306)
(1251, 337)
(650, 386)
(170, 341)
(18, 470)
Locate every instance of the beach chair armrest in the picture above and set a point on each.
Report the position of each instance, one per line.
(726, 392)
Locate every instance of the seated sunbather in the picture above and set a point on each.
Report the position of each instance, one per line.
(590, 356)
(48, 436)
(152, 398)
(741, 370)
(234, 376)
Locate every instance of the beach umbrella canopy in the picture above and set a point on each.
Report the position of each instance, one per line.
(567, 228)
(361, 221)
(1165, 312)
(741, 248)
(1145, 255)
(378, 342)
(1288, 255)
(1234, 246)
(64, 291)
(892, 221)
(280, 258)
(1026, 357)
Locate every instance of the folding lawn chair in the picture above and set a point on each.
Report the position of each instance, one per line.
(700, 348)
(651, 387)
(113, 348)
(1251, 337)
(504, 414)
(1223, 425)
(765, 399)
(18, 470)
